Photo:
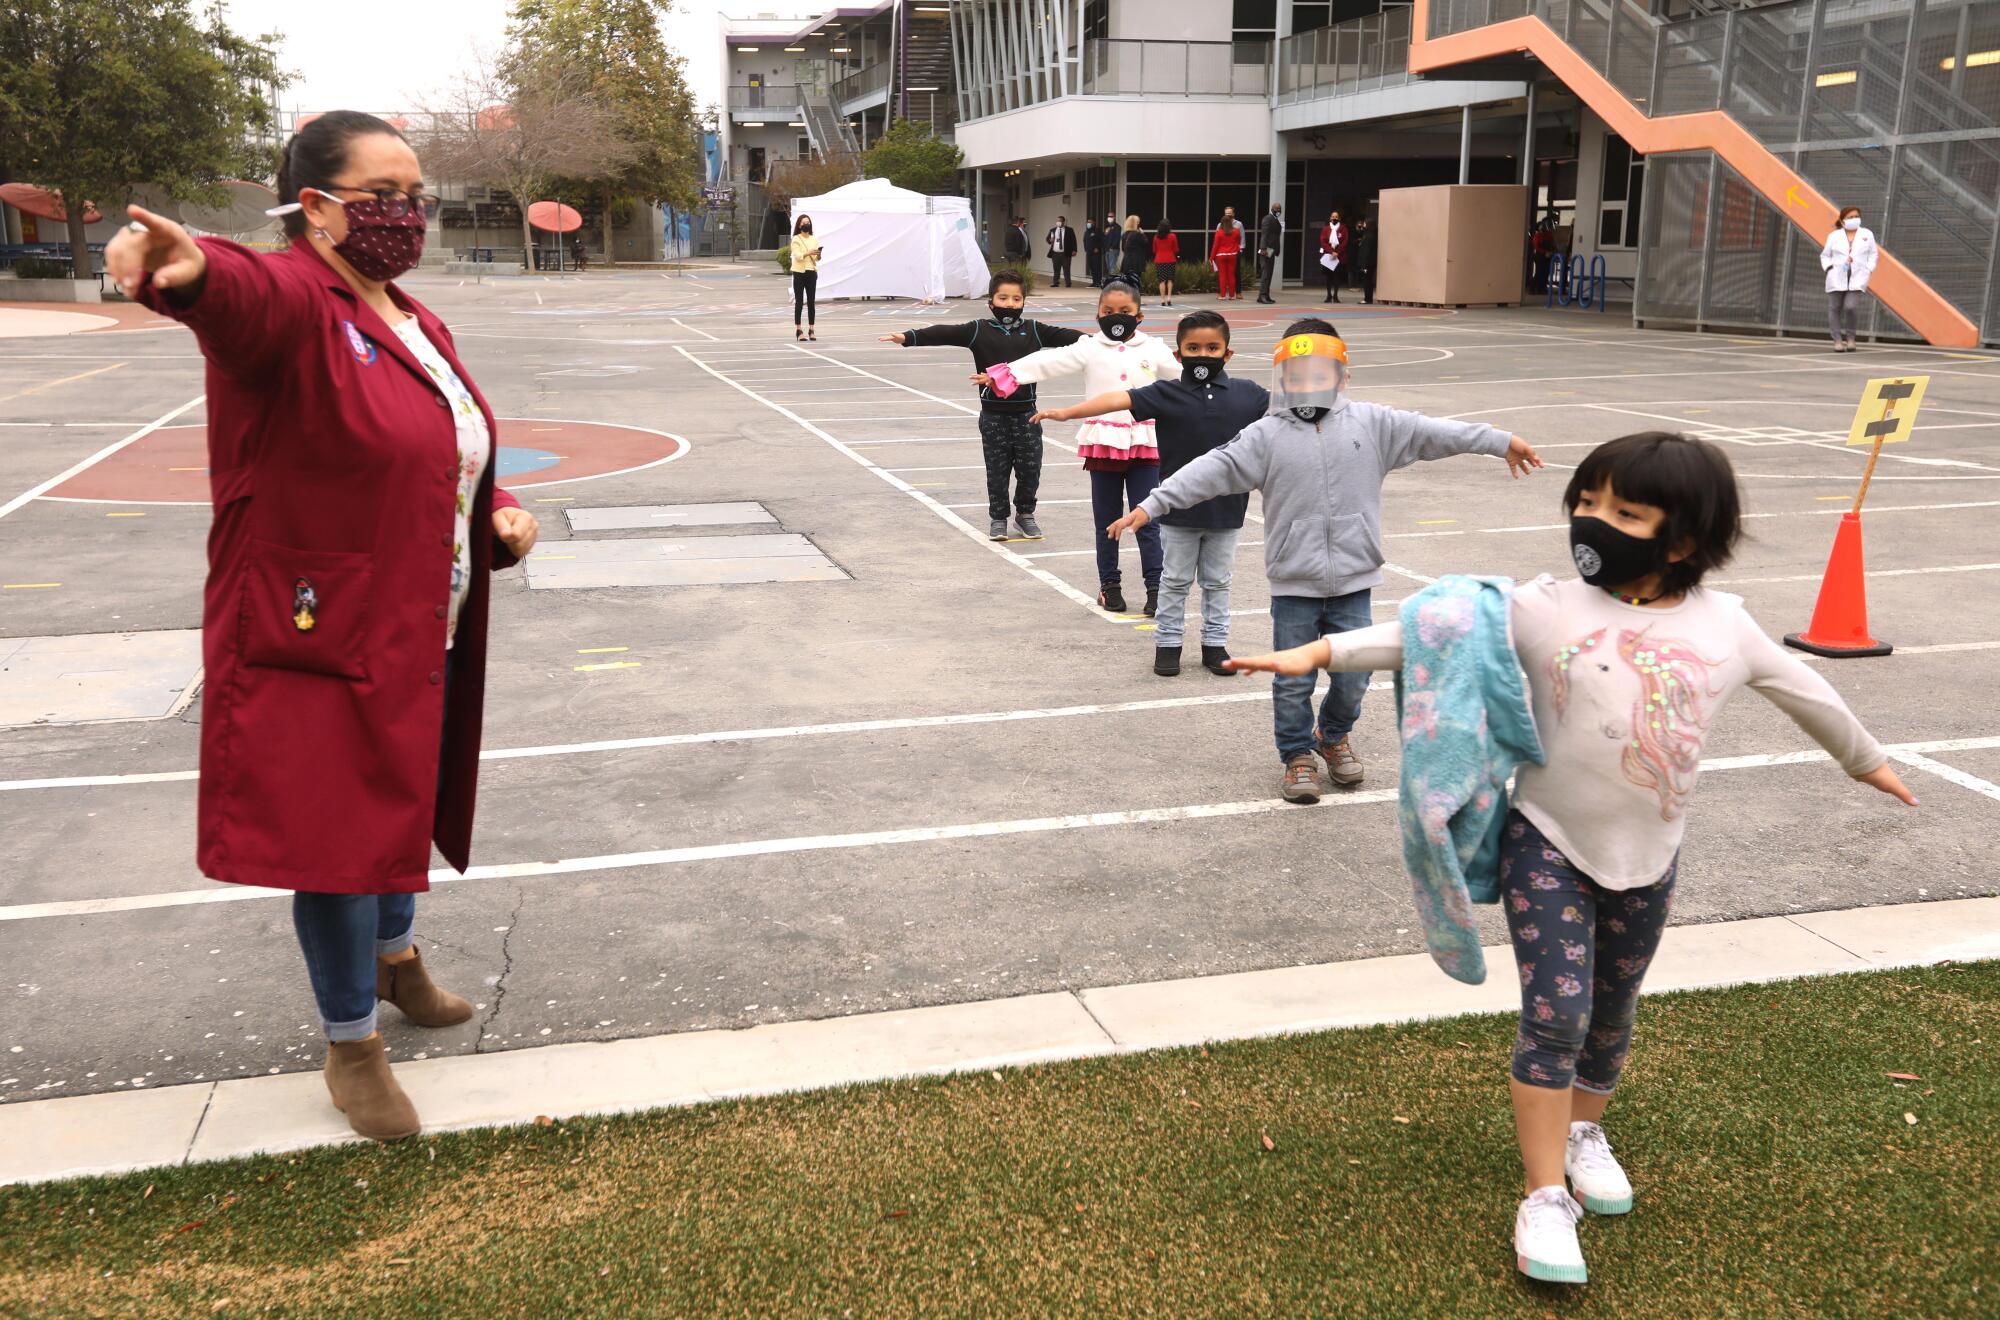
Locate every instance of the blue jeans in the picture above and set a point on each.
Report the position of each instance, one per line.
(1188, 555)
(341, 935)
(1110, 493)
(1295, 621)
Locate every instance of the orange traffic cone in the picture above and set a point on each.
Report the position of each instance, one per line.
(1840, 618)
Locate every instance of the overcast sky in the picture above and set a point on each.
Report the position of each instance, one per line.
(391, 54)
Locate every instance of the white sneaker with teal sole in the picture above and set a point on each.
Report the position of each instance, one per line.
(1594, 1173)
(1545, 1245)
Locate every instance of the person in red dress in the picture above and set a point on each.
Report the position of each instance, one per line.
(1166, 255)
(344, 620)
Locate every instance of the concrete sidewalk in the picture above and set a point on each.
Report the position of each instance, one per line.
(120, 1131)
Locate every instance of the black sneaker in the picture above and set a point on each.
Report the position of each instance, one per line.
(1152, 601)
(1166, 661)
(997, 530)
(1214, 657)
(1111, 597)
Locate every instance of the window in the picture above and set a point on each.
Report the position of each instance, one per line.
(1622, 188)
(1309, 17)
(1097, 19)
(1252, 27)
(1051, 185)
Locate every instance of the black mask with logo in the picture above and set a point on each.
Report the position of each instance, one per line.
(1307, 414)
(1201, 370)
(1607, 557)
(1118, 326)
(1008, 317)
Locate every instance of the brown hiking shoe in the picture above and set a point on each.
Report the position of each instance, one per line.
(1343, 767)
(363, 1088)
(1301, 783)
(409, 987)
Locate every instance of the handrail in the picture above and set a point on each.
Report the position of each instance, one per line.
(1360, 54)
(1124, 66)
(781, 97)
(874, 78)
(1907, 294)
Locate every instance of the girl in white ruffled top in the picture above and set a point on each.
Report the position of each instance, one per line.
(1118, 452)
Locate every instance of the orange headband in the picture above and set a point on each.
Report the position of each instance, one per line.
(1297, 346)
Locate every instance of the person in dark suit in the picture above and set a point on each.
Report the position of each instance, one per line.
(1093, 254)
(1017, 240)
(1062, 252)
(1270, 243)
(1364, 258)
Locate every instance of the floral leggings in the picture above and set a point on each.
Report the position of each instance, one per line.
(1582, 950)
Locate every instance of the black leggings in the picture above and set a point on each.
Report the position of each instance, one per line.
(805, 294)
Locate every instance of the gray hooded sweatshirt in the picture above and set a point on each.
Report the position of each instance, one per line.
(1322, 486)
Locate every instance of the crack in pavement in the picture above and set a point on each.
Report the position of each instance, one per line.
(506, 966)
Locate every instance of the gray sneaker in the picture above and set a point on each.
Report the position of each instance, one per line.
(1029, 527)
(1301, 782)
(1343, 767)
(998, 530)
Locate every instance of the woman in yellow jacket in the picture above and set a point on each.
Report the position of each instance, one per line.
(805, 279)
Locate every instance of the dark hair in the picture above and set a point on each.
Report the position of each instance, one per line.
(1125, 285)
(1002, 278)
(317, 153)
(1689, 479)
(1310, 325)
(799, 225)
(1164, 228)
(1201, 321)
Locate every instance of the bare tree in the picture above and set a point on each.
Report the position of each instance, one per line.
(519, 126)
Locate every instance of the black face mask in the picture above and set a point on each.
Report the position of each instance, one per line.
(1119, 326)
(1007, 316)
(1201, 370)
(1607, 557)
(1307, 414)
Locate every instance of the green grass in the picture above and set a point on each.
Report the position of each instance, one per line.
(1777, 1175)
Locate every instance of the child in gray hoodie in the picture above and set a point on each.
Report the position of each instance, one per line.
(1319, 459)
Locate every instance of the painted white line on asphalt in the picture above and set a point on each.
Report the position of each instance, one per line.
(1947, 646)
(1872, 573)
(962, 467)
(697, 329)
(112, 1132)
(978, 537)
(28, 495)
(1780, 513)
(660, 857)
(1953, 774)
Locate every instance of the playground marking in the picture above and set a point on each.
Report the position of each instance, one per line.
(66, 380)
(35, 492)
(677, 856)
(1951, 774)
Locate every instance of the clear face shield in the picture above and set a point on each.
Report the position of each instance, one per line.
(1308, 371)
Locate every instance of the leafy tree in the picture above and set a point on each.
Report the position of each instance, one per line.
(522, 128)
(616, 49)
(97, 96)
(910, 156)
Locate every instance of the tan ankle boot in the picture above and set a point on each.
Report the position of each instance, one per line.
(409, 987)
(363, 1088)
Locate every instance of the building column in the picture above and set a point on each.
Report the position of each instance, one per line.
(1281, 154)
(1465, 144)
(1527, 146)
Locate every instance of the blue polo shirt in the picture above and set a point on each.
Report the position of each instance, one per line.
(1188, 421)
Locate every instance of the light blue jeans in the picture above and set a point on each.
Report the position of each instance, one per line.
(1189, 555)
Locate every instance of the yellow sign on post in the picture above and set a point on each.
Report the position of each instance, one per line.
(1888, 410)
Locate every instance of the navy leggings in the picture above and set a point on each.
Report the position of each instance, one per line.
(1582, 950)
(1112, 495)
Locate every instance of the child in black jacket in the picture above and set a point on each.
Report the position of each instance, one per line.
(1011, 440)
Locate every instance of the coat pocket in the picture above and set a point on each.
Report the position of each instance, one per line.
(1298, 554)
(1353, 546)
(307, 610)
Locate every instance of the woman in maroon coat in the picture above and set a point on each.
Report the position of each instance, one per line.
(344, 619)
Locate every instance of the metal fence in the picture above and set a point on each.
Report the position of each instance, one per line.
(1880, 104)
(785, 97)
(1359, 55)
(854, 86)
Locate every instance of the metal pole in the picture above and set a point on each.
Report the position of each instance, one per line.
(1465, 144)
(1528, 146)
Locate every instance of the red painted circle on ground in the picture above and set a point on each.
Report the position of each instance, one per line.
(170, 466)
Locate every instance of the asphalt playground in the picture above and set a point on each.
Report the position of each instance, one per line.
(774, 733)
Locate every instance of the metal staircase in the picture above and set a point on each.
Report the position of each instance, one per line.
(925, 87)
(831, 138)
(1761, 85)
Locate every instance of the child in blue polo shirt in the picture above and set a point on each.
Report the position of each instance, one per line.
(1202, 410)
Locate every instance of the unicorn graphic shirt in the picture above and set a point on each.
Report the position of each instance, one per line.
(1624, 699)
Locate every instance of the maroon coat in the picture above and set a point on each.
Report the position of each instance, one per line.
(331, 458)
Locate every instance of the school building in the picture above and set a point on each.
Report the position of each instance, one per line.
(1701, 148)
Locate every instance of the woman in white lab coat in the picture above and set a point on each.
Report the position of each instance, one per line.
(1848, 260)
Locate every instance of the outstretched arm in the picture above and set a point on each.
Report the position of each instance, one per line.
(240, 306)
(1115, 401)
(1363, 650)
(1787, 683)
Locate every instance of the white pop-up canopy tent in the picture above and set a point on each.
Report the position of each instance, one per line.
(885, 241)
